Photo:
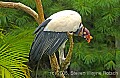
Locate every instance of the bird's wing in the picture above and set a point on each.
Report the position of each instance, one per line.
(46, 42)
(42, 26)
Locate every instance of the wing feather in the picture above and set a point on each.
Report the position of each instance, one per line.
(42, 26)
(46, 42)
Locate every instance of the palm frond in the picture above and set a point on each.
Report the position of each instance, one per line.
(14, 52)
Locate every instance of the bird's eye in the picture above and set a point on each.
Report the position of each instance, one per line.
(84, 33)
(84, 36)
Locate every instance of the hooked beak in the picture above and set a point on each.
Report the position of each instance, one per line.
(88, 38)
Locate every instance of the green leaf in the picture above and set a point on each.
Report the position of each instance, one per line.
(89, 59)
(30, 3)
(109, 18)
(74, 65)
(117, 59)
(109, 56)
(14, 50)
(110, 65)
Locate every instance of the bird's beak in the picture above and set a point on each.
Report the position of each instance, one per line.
(88, 38)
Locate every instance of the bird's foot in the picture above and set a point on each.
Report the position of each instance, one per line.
(63, 59)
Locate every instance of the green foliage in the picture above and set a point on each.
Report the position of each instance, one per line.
(14, 52)
(5, 73)
(109, 56)
(75, 65)
(89, 59)
(30, 3)
(52, 6)
(101, 17)
(118, 59)
(83, 7)
(12, 18)
(110, 65)
(49, 8)
(1, 34)
(16, 36)
(7, 18)
(101, 14)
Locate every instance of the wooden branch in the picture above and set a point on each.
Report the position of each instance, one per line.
(40, 11)
(54, 63)
(55, 66)
(69, 55)
(20, 6)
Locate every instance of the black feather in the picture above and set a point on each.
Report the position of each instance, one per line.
(61, 38)
(42, 26)
(46, 42)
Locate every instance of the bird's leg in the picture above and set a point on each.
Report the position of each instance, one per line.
(69, 55)
(61, 53)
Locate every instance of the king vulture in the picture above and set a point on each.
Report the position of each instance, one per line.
(51, 35)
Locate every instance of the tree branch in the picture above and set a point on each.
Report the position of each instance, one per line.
(20, 6)
(54, 63)
(40, 11)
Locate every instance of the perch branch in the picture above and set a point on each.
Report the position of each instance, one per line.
(69, 55)
(20, 6)
(54, 63)
(55, 66)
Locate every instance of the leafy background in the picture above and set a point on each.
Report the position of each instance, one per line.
(101, 17)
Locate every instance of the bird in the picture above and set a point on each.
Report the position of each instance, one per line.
(51, 35)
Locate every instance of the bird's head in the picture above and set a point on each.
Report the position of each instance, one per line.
(84, 32)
